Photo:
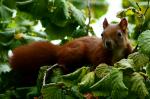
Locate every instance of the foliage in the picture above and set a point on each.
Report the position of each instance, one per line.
(26, 21)
(144, 42)
(102, 70)
(126, 79)
(140, 60)
(105, 81)
(139, 17)
(95, 6)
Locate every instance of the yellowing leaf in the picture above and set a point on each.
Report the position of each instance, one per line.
(102, 70)
(140, 60)
(144, 42)
(138, 85)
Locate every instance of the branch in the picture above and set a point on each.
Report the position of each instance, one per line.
(89, 14)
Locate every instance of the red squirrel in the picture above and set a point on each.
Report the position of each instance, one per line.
(113, 46)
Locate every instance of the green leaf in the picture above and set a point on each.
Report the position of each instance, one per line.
(19, 93)
(126, 65)
(102, 87)
(10, 3)
(41, 77)
(55, 32)
(60, 15)
(148, 70)
(52, 92)
(33, 92)
(82, 31)
(60, 91)
(6, 37)
(4, 57)
(33, 38)
(126, 12)
(130, 12)
(140, 60)
(9, 94)
(5, 12)
(4, 67)
(119, 90)
(144, 42)
(87, 81)
(95, 7)
(62, 19)
(75, 77)
(111, 84)
(26, 92)
(56, 75)
(39, 8)
(102, 70)
(138, 85)
(23, 16)
(50, 74)
(75, 93)
(78, 74)
(6, 81)
(77, 15)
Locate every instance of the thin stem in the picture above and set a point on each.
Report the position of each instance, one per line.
(24, 2)
(146, 8)
(8, 9)
(138, 6)
(45, 74)
(89, 14)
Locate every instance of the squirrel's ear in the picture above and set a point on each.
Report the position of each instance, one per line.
(105, 23)
(123, 24)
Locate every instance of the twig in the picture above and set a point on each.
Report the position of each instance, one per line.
(24, 2)
(138, 6)
(89, 14)
(135, 49)
(45, 74)
(146, 8)
(7, 8)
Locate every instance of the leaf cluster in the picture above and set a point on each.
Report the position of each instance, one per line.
(58, 19)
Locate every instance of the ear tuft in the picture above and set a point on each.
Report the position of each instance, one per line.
(123, 24)
(105, 23)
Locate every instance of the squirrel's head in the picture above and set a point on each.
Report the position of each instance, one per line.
(115, 36)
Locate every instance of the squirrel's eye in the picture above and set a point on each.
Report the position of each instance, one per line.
(102, 35)
(119, 34)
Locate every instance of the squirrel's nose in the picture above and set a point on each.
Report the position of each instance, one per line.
(108, 44)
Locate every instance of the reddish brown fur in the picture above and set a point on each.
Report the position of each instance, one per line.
(31, 57)
(84, 50)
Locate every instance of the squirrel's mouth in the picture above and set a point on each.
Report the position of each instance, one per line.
(108, 45)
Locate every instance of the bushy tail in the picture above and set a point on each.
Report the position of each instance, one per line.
(29, 58)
